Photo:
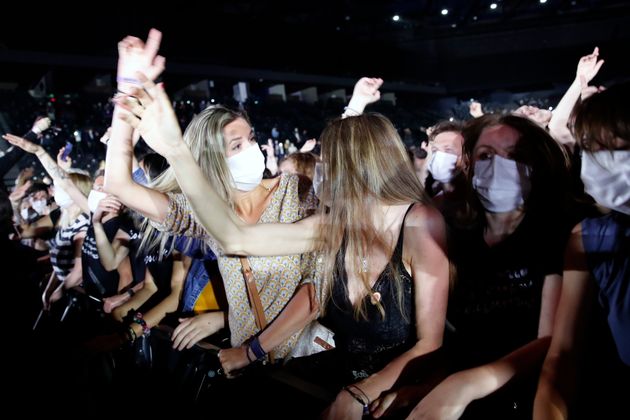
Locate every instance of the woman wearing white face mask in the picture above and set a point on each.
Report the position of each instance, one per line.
(509, 264)
(223, 144)
(597, 260)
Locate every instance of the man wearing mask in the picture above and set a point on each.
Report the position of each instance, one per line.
(446, 179)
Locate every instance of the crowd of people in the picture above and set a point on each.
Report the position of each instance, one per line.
(482, 274)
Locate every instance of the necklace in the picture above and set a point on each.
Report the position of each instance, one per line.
(364, 261)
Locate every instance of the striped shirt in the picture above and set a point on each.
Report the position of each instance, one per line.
(62, 246)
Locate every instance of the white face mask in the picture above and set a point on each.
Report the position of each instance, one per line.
(501, 184)
(62, 198)
(24, 214)
(606, 177)
(247, 168)
(39, 206)
(442, 166)
(94, 198)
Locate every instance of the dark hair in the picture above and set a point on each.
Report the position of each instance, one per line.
(154, 165)
(446, 126)
(37, 186)
(603, 118)
(549, 161)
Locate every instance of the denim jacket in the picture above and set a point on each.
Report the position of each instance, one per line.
(197, 277)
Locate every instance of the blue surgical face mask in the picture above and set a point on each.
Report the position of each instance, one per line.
(502, 185)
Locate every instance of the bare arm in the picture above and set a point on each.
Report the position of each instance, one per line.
(425, 239)
(301, 309)
(59, 176)
(557, 379)
(160, 129)
(134, 56)
(451, 397)
(110, 254)
(587, 69)
(137, 300)
(154, 315)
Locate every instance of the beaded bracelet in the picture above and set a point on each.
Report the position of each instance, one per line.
(137, 318)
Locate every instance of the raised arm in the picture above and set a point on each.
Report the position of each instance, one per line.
(587, 69)
(160, 129)
(14, 154)
(111, 254)
(366, 91)
(133, 55)
(59, 176)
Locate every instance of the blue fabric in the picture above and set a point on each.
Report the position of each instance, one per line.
(607, 244)
(139, 177)
(197, 277)
(196, 280)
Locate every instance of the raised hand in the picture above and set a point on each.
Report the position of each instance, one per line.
(308, 145)
(475, 109)
(20, 192)
(136, 56)
(109, 204)
(22, 143)
(587, 91)
(150, 111)
(40, 125)
(272, 162)
(63, 164)
(367, 90)
(588, 66)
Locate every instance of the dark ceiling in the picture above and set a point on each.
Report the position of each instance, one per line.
(519, 45)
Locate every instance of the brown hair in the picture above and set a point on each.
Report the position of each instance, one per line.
(549, 161)
(446, 126)
(304, 163)
(603, 118)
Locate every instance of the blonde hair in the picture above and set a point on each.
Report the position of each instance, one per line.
(204, 137)
(84, 183)
(365, 165)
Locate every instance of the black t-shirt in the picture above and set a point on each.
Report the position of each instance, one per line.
(495, 305)
(96, 279)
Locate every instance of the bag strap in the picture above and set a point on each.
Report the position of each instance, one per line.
(254, 297)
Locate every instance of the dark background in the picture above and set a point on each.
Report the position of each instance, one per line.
(520, 46)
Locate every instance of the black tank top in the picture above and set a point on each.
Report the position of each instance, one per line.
(394, 333)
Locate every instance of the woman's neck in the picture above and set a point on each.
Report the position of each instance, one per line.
(501, 225)
(250, 205)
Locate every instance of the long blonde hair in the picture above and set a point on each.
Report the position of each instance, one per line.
(204, 137)
(365, 165)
